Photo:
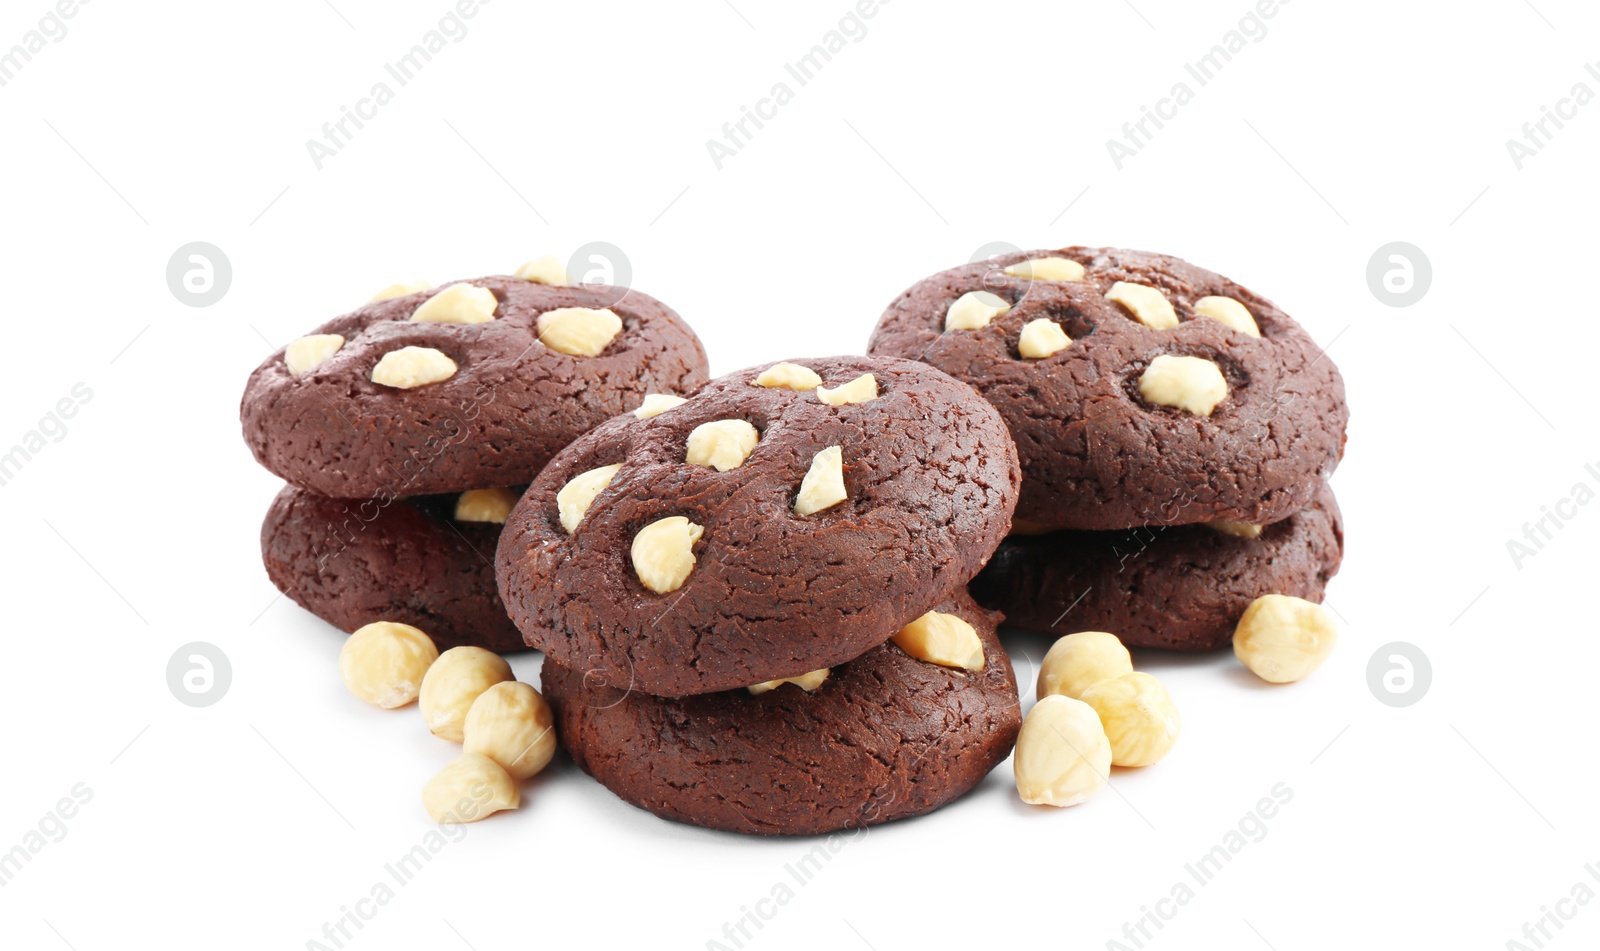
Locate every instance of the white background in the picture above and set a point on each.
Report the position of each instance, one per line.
(253, 822)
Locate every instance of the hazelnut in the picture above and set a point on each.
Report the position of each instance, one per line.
(578, 494)
(1230, 312)
(1139, 717)
(1062, 756)
(657, 403)
(411, 367)
(823, 486)
(1194, 384)
(789, 376)
(384, 662)
(472, 787)
(453, 682)
(1042, 338)
(578, 331)
(544, 270)
(1147, 304)
(458, 304)
(1079, 661)
(663, 553)
(1047, 269)
(858, 390)
(808, 682)
(1236, 529)
(511, 724)
(307, 353)
(1283, 639)
(405, 289)
(942, 639)
(974, 310)
(485, 505)
(722, 444)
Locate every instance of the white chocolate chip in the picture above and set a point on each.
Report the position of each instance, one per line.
(578, 494)
(1236, 529)
(400, 290)
(1063, 756)
(808, 682)
(411, 367)
(458, 304)
(512, 724)
(789, 376)
(1047, 269)
(1188, 383)
(1147, 304)
(663, 553)
(1042, 338)
(823, 486)
(722, 444)
(1138, 715)
(309, 352)
(1230, 312)
(384, 662)
(578, 331)
(657, 403)
(858, 390)
(1283, 639)
(943, 639)
(544, 270)
(453, 683)
(485, 505)
(1079, 661)
(472, 787)
(974, 310)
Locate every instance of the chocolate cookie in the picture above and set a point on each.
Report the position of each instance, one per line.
(1178, 587)
(1141, 390)
(463, 386)
(407, 560)
(885, 736)
(767, 527)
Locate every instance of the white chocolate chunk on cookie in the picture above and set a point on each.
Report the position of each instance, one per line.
(411, 367)
(544, 270)
(1147, 304)
(574, 499)
(657, 403)
(309, 352)
(485, 505)
(808, 682)
(578, 331)
(942, 639)
(1230, 312)
(1236, 529)
(458, 304)
(1047, 269)
(1042, 338)
(859, 390)
(722, 444)
(404, 289)
(1193, 384)
(789, 376)
(823, 485)
(663, 553)
(974, 310)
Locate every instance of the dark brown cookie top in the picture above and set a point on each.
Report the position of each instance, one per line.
(1095, 453)
(885, 736)
(930, 478)
(511, 403)
(352, 562)
(1179, 587)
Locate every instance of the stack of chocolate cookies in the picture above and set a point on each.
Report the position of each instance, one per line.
(408, 428)
(1175, 432)
(753, 602)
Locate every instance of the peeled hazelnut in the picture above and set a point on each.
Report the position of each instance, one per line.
(823, 486)
(485, 505)
(942, 639)
(974, 310)
(808, 682)
(574, 499)
(1139, 717)
(472, 787)
(453, 682)
(544, 270)
(1042, 338)
(657, 403)
(1283, 639)
(789, 376)
(309, 352)
(722, 444)
(663, 553)
(401, 290)
(458, 304)
(859, 390)
(1062, 756)
(1147, 304)
(1047, 269)
(511, 724)
(384, 662)
(1230, 312)
(1194, 384)
(1079, 661)
(578, 331)
(411, 367)
(1236, 529)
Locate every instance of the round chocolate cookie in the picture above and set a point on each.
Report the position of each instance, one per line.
(1176, 587)
(352, 562)
(764, 528)
(1141, 390)
(885, 736)
(462, 386)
